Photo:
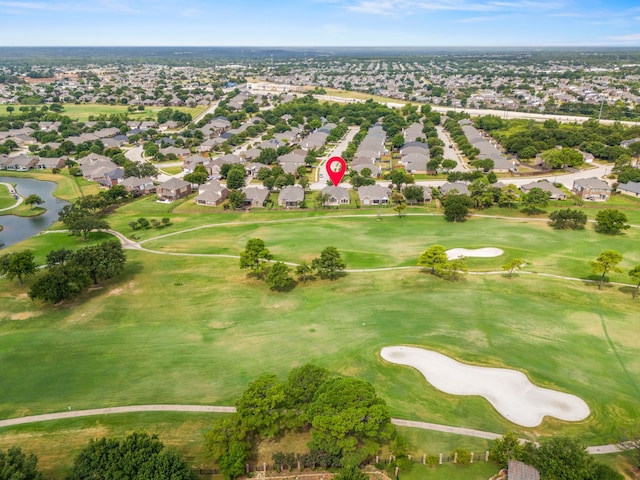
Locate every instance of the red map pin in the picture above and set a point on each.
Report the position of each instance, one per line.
(336, 168)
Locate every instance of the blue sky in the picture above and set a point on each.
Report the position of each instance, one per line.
(320, 22)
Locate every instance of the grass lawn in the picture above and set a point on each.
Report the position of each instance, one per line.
(82, 112)
(69, 188)
(196, 330)
(6, 199)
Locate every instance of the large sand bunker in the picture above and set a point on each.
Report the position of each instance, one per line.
(509, 391)
(476, 252)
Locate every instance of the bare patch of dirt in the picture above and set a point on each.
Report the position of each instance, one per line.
(24, 315)
(116, 291)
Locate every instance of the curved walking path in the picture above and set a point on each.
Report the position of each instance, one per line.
(469, 432)
(11, 191)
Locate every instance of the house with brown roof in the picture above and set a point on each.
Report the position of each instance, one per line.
(173, 189)
(592, 188)
(255, 196)
(136, 185)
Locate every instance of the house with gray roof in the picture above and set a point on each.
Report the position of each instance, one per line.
(291, 196)
(335, 196)
(138, 185)
(255, 196)
(487, 149)
(631, 188)
(415, 162)
(50, 163)
(211, 194)
(21, 163)
(592, 188)
(460, 187)
(371, 195)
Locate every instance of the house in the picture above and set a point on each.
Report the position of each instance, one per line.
(521, 471)
(592, 188)
(554, 192)
(214, 166)
(138, 185)
(415, 162)
(173, 189)
(189, 164)
(460, 188)
(108, 177)
(631, 188)
(255, 196)
(212, 194)
(21, 163)
(426, 194)
(376, 172)
(291, 196)
(336, 196)
(373, 195)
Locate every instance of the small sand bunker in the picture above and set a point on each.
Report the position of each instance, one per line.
(476, 252)
(510, 392)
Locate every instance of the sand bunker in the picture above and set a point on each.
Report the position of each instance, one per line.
(509, 391)
(477, 252)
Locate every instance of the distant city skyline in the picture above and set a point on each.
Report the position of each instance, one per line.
(506, 23)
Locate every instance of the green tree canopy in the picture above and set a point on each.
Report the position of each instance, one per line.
(255, 252)
(261, 406)
(568, 218)
(607, 261)
(18, 265)
(456, 207)
(433, 258)
(138, 456)
(278, 277)
(611, 221)
(349, 418)
(16, 465)
(329, 264)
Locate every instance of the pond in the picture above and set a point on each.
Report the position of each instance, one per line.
(16, 228)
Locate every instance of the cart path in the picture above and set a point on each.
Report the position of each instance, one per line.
(12, 191)
(469, 432)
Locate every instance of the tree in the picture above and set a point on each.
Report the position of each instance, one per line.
(101, 262)
(635, 274)
(399, 203)
(303, 270)
(81, 221)
(399, 177)
(226, 442)
(568, 219)
(351, 472)
(449, 164)
(413, 194)
(513, 265)
(535, 201)
(16, 465)
(505, 448)
(60, 282)
(261, 406)
(509, 195)
(300, 387)
(255, 252)
(348, 418)
(235, 178)
(138, 456)
(329, 264)
(237, 199)
(58, 257)
(196, 177)
(564, 458)
(18, 265)
(564, 157)
(611, 221)
(32, 200)
(456, 207)
(607, 261)
(278, 277)
(434, 257)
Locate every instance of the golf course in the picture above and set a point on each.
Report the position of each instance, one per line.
(185, 325)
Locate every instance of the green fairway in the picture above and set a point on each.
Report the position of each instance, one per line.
(196, 330)
(82, 112)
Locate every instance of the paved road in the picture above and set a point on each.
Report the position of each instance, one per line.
(341, 146)
(469, 432)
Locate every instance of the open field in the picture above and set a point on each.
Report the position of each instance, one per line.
(83, 111)
(196, 330)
